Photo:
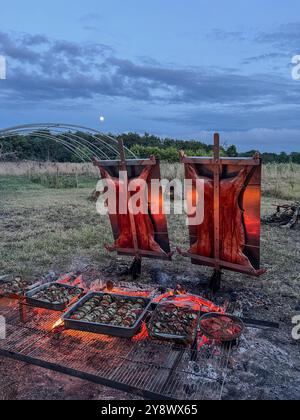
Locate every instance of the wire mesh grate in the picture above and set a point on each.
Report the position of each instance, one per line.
(149, 368)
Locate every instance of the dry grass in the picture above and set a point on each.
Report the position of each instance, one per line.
(48, 229)
(172, 171)
(30, 168)
(282, 181)
(279, 180)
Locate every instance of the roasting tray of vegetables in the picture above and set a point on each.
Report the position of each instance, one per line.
(109, 314)
(54, 296)
(175, 319)
(15, 288)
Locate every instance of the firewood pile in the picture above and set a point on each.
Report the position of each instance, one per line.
(286, 216)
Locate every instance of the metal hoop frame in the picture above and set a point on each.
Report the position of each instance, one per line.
(104, 148)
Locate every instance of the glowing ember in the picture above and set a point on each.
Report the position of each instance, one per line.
(65, 279)
(180, 290)
(58, 324)
(72, 279)
(206, 305)
(143, 334)
(118, 291)
(78, 282)
(110, 286)
(203, 341)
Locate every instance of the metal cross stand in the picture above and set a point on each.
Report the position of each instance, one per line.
(132, 168)
(218, 165)
(135, 269)
(216, 278)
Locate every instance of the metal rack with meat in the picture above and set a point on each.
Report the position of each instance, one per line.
(229, 237)
(142, 234)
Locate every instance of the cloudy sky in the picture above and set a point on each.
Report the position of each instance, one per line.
(180, 69)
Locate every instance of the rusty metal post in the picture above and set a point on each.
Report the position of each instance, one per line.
(23, 310)
(137, 259)
(216, 278)
(217, 197)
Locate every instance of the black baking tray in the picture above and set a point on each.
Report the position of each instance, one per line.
(60, 307)
(175, 338)
(16, 296)
(106, 329)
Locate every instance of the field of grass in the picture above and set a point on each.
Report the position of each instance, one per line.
(48, 223)
(45, 228)
(279, 180)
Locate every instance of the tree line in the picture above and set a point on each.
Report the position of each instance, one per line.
(34, 147)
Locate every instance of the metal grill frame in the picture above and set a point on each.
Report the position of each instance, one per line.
(150, 369)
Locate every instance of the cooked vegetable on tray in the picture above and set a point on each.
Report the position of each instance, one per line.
(175, 320)
(111, 310)
(57, 293)
(14, 288)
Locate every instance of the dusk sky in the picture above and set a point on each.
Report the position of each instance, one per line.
(170, 68)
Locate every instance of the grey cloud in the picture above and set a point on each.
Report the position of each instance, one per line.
(90, 17)
(264, 57)
(284, 37)
(233, 119)
(230, 35)
(72, 49)
(200, 86)
(91, 22)
(16, 48)
(33, 40)
(58, 71)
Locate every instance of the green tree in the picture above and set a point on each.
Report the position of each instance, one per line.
(232, 151)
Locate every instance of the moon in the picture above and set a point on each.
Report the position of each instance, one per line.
(102, 119)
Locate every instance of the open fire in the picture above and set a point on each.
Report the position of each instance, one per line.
(179, 296)
(45, 338)
(58, 326)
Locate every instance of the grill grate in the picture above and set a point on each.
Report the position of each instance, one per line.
(149, 368)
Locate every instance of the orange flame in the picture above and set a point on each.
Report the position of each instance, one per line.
(203, 342)
(118, 291)
(180, 290)
(57, 324)
(143, 334)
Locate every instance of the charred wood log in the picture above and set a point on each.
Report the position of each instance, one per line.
(94, 196)
(286, 216)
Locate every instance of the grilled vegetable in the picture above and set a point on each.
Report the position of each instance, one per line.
(111, 310)
(173, 321)
(58, 293)
(16, 287)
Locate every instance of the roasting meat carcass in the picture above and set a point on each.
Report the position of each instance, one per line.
(143, 223)
(232, 230)
(204, 244)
